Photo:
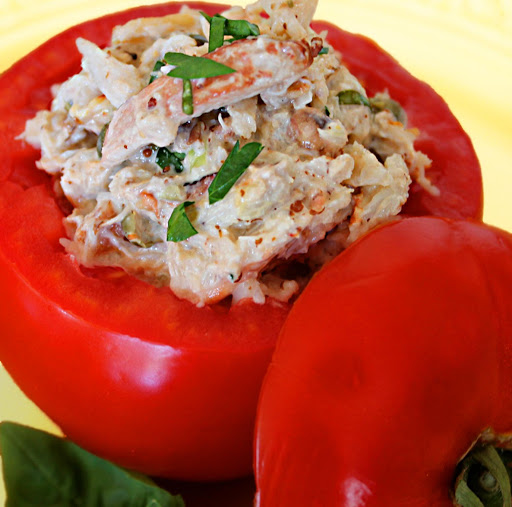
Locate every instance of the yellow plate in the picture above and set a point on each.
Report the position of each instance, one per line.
(463, 49)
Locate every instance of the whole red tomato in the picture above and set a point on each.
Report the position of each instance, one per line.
(127, 370)
(392, 362)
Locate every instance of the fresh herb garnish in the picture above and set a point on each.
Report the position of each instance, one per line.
(187, 97)
(327, 112)
(167, 158)
(235, 165)
(217, 28)
(101, 140)
(324, 51)
(42, 469)
(235, 28)
(179, 227)
(156, 70)
(195, 67)
(353, 97)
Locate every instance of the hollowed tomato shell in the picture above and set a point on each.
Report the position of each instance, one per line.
(127, 370)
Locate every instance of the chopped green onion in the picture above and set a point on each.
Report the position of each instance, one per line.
(195, 67)
(327, 112)
(101, 140)
(187, 99)
(179, 227)
(217, 26)
(234, 166)
(167, 158)
(156, 70)
(353, 97)
(324, 51)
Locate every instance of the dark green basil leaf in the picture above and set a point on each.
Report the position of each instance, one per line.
(241, 29)
(235, 28)
(353, 97)
(167, 158)
(206, 16)
(154, 74)
(324, 51)
(195, 67)
(101, 140)
(216, 40)
(179, 227)
(235, 165)
(44, 470)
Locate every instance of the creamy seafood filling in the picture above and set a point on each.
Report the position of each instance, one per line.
(137, 149)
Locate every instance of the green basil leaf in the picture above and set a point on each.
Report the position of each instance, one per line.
(353, 97)
(241, 29)
(216, 40)
(236, 28)
(179, 227)
(155, 72)
(208, 18)
(177, 58)
(101, 140)
(44, 470)
(324, 51)
(167, 158)
(235, 165)
(195, 67)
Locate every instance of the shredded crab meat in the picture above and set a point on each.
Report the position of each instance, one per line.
(327, 174)
(154, 114)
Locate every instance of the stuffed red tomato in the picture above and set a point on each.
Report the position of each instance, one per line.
(143, 290)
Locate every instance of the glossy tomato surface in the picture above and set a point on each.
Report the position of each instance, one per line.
(390, 365)
(126, 369)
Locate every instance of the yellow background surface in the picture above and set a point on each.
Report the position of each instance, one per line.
(463, 48)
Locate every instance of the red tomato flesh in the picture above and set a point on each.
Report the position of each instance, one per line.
(127, 370)
(391, 363)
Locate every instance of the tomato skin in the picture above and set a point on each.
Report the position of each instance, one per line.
(127, 370)
(392, 362)
(130, 397)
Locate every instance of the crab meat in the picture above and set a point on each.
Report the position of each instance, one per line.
(154, 114)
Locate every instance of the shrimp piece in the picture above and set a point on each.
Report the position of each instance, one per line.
(154, 114)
